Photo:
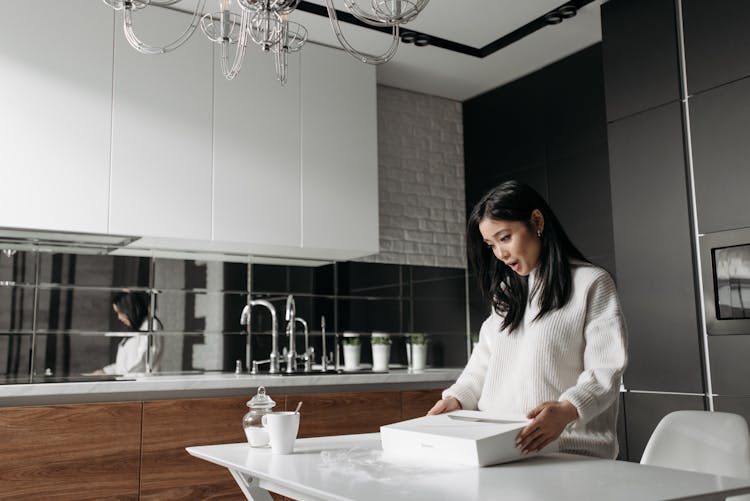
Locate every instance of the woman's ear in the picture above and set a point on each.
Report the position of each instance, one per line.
(537, 220)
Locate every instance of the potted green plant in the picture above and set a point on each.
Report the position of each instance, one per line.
(352, 351)
(416, 351)
(381, 351)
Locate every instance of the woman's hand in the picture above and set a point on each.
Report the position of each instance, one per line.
(549, 419)
(444, 405)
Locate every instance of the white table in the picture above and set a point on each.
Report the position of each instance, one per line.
(355, 468)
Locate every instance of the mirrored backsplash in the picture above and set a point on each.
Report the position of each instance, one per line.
(56, 314)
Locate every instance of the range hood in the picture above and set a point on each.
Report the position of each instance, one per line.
(15, 239)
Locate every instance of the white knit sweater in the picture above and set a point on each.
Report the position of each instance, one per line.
(576, 353)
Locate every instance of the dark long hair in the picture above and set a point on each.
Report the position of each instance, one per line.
(506, 291)
(134, 305)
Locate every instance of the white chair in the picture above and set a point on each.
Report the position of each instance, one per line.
(706, 442)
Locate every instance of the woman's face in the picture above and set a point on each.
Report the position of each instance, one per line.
(121, 316)
(513, 242)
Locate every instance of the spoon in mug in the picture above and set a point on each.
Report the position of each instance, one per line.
(296, 411)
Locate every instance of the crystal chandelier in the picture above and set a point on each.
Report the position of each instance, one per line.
(266, 23)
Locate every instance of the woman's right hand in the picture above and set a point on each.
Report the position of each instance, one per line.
(445, 405)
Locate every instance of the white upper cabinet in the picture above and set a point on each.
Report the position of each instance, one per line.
(339, 154)
(161, 131)
(257, 154)
(55, 111)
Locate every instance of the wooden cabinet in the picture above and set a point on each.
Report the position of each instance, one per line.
(83, 451)
(339, 154)
(167, 471)
(327, 414)
(257, 193)
(56, 112)
(136, 450)
(161, 133)
(416, 403)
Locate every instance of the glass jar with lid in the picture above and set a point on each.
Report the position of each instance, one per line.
(259, 405)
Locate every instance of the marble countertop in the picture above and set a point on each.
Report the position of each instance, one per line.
(169, 386)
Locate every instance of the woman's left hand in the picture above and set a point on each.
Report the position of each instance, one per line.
(549, 419)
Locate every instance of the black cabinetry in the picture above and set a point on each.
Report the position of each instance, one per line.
(653, 250)
(716, 42)
(641, 70)
(720, 122)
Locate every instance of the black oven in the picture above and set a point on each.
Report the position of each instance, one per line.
(725, 268)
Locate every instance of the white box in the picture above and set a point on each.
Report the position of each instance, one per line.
(466, 437)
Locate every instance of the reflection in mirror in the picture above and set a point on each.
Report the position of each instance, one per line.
(17, 268)
(94, 271)
(14, 355)
(212, 276)
(16, 309)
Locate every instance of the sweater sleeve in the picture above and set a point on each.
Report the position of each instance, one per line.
(605, 352)
(468, 388)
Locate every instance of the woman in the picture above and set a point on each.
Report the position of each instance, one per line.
(554, 347)
(132, 310)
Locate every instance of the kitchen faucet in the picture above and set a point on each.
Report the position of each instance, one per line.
(290, 316)
(309, 354)
(245, 319)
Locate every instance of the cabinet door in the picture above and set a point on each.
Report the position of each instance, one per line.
(161, 132)
(416, 403)
(639, 46)
(167, 471)
(328, 414)
(653, 251)
(645, 410)
(339, 154)
(81, 451)
(720, 120)
(55, 121)
(716, 43)
(256, 153)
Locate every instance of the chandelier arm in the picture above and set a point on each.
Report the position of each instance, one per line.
(281, 66)
(145, 48)
(374, 20)
(159, 3)
(383, 58)
(239, 52)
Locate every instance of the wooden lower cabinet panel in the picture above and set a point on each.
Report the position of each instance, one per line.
(416, 403)
(76, 452)
(325, 414)
(168, 472)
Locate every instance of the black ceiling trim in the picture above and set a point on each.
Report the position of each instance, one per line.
(443, 43)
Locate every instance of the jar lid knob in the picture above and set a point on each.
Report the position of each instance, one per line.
(261, 399)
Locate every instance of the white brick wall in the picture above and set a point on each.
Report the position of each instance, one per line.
(421, 180)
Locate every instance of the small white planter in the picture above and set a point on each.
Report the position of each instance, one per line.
(381, 351)
(381, 354)
(419, 357)
(351, 357)
(352, 351)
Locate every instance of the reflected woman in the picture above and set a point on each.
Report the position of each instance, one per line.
(554, 346)
(132, 309)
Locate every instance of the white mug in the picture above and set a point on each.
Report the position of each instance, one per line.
(282, 430)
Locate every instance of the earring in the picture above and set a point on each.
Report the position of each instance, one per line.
(539, 233)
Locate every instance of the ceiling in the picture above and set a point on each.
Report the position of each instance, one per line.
(472, 23)
(475, 23)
